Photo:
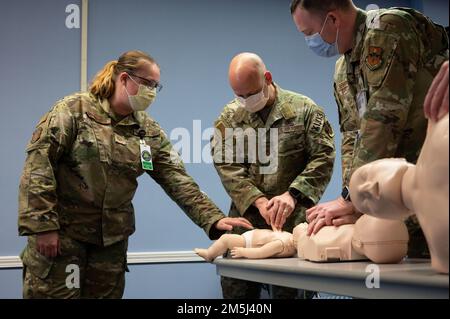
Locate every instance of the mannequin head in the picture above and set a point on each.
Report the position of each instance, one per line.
(381, 240)
(376, 188)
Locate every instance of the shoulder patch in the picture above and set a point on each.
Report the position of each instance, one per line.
(374, 58)
(343, 87)
(317, 122)
(36, 135)
(221, 127)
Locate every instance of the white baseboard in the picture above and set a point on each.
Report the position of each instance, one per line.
(164, 257)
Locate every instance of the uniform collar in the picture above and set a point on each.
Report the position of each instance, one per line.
(360, 29)
(109, 113)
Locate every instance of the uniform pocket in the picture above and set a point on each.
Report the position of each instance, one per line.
(291, 142)
(127, 151)
(86, 148)
(38, 264)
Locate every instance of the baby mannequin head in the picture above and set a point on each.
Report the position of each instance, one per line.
(376, 188)
(381, 240)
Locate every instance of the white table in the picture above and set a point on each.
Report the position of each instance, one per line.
(412, 278)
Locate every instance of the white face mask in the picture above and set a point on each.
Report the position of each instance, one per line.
(256, 102)
(143, 98)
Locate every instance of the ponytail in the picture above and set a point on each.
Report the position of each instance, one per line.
(103, 84)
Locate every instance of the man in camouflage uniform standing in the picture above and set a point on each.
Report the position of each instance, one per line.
(80, 177)
(389, 60)
(271, 191)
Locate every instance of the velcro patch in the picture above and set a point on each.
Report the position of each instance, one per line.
(343, 88)
(374, 58)
(317, 122)
(36, 135)
(120, 139)
(292, 128)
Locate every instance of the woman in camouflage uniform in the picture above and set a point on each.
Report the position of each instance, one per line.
(80, 177)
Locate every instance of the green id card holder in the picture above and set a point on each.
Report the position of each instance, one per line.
(146, 156)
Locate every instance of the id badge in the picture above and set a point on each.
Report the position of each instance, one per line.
(146, 156)
(361, 101)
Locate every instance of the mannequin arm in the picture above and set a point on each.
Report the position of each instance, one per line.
(268, 250)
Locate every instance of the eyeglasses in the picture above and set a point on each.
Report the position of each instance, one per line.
(148, 83)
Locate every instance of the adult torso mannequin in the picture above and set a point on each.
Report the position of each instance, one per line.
(429, 192)
(393, 188)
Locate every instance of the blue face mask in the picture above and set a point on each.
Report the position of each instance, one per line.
(320, 47)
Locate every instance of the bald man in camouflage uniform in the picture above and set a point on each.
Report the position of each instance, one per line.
(79, 179)
(302, 157)
(380, 84)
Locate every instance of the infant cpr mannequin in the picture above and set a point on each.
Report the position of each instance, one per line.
(329, 244)
(254, 244)
(395, 189)
(381, 241)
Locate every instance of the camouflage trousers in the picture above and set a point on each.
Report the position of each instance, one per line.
(82, 270)
(241, 289)
(417, 245)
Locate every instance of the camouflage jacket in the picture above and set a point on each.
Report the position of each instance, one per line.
(301, 148)
(81, 173)
(380, 85)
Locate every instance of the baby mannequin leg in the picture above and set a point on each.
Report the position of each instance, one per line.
(220, 246)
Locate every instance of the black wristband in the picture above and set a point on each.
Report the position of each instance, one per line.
(295, 193)
(346, 194)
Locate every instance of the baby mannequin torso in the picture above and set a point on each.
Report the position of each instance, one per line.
(329, 244)
(254, 244)
(381, 241)
(259, 237)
